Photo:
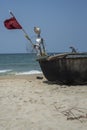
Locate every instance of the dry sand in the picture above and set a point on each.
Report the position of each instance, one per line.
(28, 103)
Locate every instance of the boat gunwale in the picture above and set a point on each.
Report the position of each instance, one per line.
(62, 56)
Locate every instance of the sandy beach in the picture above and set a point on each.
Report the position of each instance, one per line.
(31, 103)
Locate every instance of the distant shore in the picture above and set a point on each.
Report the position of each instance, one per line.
(30, 102)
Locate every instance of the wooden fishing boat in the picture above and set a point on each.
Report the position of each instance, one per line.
(65, 68)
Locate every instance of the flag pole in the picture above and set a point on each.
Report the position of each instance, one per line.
(26, 35)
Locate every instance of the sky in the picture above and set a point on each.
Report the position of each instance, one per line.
(63, 24)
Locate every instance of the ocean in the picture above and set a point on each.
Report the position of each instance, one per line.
(19, 64)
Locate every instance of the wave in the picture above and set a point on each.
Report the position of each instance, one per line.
(5, 71)
(29, 72)
(11, 72)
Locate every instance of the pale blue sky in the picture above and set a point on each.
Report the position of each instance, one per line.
(63, 24)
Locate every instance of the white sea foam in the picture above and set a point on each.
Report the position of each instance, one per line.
(4, 71)
(29, 72)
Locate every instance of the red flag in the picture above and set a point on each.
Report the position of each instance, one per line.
(12, 23)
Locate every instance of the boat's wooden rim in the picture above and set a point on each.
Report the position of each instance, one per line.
(62, 55)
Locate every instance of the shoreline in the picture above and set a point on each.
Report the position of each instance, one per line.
(21, 76)
(28, 102)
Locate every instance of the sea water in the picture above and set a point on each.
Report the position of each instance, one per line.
(19, 64)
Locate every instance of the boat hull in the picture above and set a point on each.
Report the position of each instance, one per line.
(71, 69)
